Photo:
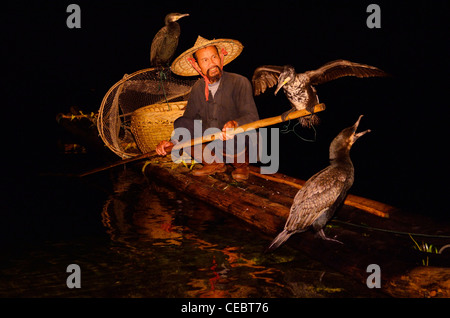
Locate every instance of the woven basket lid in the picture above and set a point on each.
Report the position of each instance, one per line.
(181, 65)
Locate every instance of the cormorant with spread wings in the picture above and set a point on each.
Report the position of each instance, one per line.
(299, 87)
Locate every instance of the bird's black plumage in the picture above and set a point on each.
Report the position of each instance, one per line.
(315, 203)
(299, 88)
(165, 42)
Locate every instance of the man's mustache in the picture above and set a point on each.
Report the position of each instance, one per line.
(212, 68)
(215, 77)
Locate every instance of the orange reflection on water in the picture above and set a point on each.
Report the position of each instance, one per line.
(210, 270)
(222, 280)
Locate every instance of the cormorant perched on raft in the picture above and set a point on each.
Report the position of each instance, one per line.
(299, 88)
(165, 42)
(315, 203)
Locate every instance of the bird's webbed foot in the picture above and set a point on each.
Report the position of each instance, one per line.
(285, 114)
(324, 237)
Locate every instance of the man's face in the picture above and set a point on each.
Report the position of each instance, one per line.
(209, 62)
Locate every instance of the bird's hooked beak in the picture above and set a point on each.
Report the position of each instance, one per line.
(179, 16)
(355, 135)
(281, 84)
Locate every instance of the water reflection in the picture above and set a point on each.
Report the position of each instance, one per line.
(155, 242)
(192, 245)
(193, 250)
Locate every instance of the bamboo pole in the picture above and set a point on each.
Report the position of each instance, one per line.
(247, 127)
(250, 126)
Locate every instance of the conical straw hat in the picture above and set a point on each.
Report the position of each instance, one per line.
(181, 65)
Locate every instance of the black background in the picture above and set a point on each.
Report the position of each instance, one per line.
(403, 161)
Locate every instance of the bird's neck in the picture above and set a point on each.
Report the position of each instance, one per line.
(173, 26)
(294, 85)
(301, 79)
(340, 156)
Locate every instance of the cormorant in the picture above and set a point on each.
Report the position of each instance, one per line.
(299, 88)
(315, 203)
(165, 42)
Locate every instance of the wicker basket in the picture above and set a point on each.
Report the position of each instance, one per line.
(153, 123)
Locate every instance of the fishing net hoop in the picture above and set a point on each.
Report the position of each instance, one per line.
(140, 108)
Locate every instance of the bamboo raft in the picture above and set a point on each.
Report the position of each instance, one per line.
(372, 232)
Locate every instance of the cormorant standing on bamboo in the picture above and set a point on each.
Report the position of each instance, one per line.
(315, 203)
(299, 88)
(165, 42)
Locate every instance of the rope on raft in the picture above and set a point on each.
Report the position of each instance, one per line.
(393, 231)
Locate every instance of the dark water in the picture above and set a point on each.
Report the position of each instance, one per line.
(133, 238)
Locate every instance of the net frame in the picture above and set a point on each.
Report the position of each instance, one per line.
(141, 89)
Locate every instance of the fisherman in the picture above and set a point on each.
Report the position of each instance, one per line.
(220, 100)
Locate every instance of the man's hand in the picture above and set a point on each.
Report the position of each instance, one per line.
(232, 124)
(161, 147)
